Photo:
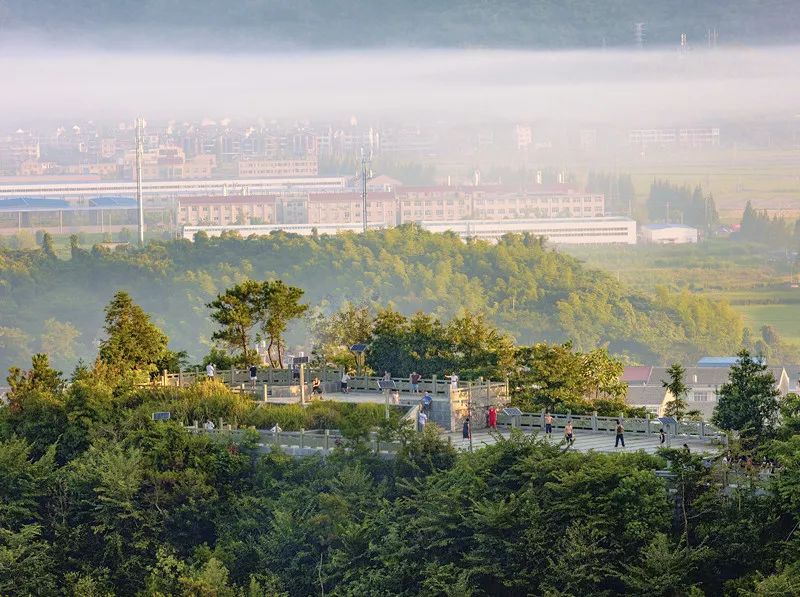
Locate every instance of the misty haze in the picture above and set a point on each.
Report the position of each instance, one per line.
(453, 298)
(660, 87)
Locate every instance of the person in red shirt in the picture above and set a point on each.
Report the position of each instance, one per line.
(492, 417)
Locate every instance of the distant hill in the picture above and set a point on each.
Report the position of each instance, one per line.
(528, 290)
(249, 24)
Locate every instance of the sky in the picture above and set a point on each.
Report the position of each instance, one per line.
(640, 88)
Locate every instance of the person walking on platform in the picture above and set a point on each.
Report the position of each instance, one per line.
(569, 434)
(620, 439)
(548, 424)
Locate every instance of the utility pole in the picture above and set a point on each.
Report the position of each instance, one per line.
(139, 160)
(364, 178)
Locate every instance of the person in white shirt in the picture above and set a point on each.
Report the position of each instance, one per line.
(345, 381)
(454, 381)
(209, 425)
(210, 370)
(422, 419)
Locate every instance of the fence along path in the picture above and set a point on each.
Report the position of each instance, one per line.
(595, 423)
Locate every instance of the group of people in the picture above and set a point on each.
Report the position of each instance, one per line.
(569, 431)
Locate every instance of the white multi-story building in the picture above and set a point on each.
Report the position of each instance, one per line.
(583, 231)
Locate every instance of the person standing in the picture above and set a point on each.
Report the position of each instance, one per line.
(492, 417)
(466, 430)
(662, 437)
(427, 402)
(253, 375)
(316, 387)
(422, 419)
(453, 381)
(345, 382)
(414, 379)
(548, 424)
(569, 434)
(210, 371)
(386, 378)
(620, 439)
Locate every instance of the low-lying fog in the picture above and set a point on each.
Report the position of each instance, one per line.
(641, 87)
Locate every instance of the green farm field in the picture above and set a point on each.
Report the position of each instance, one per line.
(770, 179)
(751, 279)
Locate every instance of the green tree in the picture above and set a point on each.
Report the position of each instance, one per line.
(280, 304)
(60, 340)
(678, 389)
(133, 342)
(40, 377)
(26, 563)
(748, 402)
(335, 334)
(48, 247)
(664, 570)
(237, 312)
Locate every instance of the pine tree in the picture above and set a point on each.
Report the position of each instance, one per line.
(678, 389)
(748, 402)
(134, 343)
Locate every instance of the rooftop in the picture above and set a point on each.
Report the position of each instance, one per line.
(667, 227)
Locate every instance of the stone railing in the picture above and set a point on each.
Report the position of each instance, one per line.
(594, 422)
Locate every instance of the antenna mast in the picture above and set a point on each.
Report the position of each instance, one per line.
(139, 160)
(364, 177)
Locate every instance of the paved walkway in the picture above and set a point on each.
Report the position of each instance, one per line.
(593, 440)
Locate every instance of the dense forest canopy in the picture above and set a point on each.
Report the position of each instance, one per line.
(54, 305)
(96, 498)
(382, 23)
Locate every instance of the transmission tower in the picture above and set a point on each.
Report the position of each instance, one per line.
(139, 160)
(365, 173)
(639, 35)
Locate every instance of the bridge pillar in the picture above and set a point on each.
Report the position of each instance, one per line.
(594, 421)
(702, 427)
(649, 428)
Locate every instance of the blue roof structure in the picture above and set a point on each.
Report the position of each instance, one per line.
(28, 204)
(724, 361)
(32, 204)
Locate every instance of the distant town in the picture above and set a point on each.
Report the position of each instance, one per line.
(302, 178)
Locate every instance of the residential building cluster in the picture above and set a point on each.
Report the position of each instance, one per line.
(226, 149)
(704, 380)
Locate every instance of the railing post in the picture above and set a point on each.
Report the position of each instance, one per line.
(264, 392)
(594, 421)
(433, 382)
(302, 438)
(649, 429)
(327, 439)
(541, 420)
(180, 377)
(702, 427)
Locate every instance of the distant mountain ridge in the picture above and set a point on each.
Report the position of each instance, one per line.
(260, 24)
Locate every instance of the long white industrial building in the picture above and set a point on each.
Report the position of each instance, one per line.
(574, 231)
(173, 188)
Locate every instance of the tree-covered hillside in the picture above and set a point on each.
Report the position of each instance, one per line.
(380, 23)
(54, 305)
